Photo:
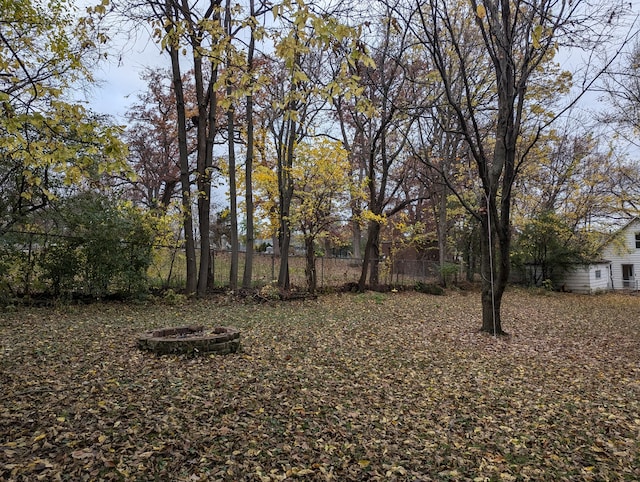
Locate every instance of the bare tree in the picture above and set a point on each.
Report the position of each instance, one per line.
(152, 139)
(622, 91)
(517, 40)
(376, 128)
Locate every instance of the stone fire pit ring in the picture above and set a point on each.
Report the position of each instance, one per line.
(191, 340)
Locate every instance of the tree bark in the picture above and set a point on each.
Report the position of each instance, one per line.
(204, 123)
(371, 258)
(285, 183)
(247, 276)
(310, 269)
(204, 179)
(233, 198)
(493, 279)
(185, 182)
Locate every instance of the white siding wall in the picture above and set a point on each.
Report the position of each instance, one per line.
(583, 278)
(622, 250)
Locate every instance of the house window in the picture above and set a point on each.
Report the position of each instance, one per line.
(637, 240)
(598, 274)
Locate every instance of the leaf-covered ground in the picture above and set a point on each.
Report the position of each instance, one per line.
(399, 386)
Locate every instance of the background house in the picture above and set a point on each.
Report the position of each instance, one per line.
(619, 268)
(623, 250)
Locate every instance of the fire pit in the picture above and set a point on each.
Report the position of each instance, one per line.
(191, 340)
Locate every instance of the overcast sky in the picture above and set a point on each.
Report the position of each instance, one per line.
(119, 78)
(120, 81)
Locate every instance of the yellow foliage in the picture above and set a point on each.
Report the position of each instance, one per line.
(322, 187)
(367, 215)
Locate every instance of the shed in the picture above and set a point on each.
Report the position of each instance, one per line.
(588, 278)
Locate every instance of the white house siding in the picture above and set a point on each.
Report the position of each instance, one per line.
(583, 279)
(621, 250)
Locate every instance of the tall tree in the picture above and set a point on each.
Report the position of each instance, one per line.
(192, 35)
(240, 80)
(171, 19)
(247, 275)
(230, 77)
(205, 34)
(518, 40)
(301, 47)
(376, 127)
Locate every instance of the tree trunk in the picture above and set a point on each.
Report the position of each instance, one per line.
(204, 180)
(210, 277)
(247, 276)
(205, 132)
(441, 227)
(185, 183)
(491, 322)
(374, 262)
(211, 135)
(283, 270)
(494, 264)
(233, 198)
(310, 269)
(371, 258)
(285, 183)
(233, 270)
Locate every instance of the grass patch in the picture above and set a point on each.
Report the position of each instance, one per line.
(345, 387)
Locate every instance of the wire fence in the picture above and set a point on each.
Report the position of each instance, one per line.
(34, 263)
(168, 269)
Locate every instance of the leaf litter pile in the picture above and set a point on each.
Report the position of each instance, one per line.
(400, 386)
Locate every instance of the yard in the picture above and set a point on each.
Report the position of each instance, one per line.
(396, 386)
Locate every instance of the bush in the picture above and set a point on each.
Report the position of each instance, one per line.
(449, 272)
(547, 284)
(429, 288)
(270, 292)
(60, 263)
(104, 248)
(170, 297)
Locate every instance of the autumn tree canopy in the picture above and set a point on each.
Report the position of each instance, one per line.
(445, 111)
(47, 141)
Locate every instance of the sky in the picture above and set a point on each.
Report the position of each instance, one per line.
(119, 78)
(120, 81)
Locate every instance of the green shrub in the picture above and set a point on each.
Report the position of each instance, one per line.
(104, 248)
(449, 272)
(270, 292)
